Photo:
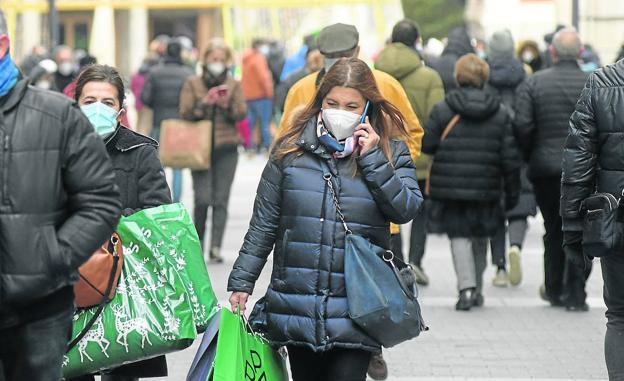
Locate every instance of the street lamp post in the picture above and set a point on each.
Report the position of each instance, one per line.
(53, 24)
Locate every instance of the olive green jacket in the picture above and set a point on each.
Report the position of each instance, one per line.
(422, 84)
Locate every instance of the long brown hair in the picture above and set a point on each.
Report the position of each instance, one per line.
(354, 73)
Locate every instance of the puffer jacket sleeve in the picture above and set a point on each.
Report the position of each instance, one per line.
(153, 188)
(238, 107)
(433, 129)
(260, 237)
(93, 197)
(580, 157)
(393, 185)
(191, 107)
(524, 123)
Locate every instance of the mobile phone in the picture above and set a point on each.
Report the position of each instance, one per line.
(363, 118)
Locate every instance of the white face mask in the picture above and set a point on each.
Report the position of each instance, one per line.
(340, 123)
(66, 68)
(216, 68)
(527, 56)
(43, 84)
(264, 50)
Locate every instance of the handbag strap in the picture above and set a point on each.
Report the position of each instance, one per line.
(327, 176)
(103, 302)
(447, 130)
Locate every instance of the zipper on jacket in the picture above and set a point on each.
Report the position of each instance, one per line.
(5, 170)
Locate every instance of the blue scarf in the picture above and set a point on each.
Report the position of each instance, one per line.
(8, 75)
(333, 146)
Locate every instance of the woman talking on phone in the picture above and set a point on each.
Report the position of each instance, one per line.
(344, 131)
(217, 97)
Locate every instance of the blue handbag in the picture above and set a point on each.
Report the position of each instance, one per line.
(381, 289)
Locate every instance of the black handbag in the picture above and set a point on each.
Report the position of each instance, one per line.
(603, 228)
(381, 288)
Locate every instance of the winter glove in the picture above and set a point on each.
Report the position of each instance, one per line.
(573, 248)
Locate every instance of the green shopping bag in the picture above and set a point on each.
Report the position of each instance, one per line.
(244, 356)
(150, 315)
(169, 232)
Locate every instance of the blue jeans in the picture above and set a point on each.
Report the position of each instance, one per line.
(176, 187)
(34, 351)
(260, 110)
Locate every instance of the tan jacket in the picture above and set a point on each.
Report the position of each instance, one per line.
(224, 122)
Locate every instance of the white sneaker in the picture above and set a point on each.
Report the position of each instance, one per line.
(515, 267)
(501, 279)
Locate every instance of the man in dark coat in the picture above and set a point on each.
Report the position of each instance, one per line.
(161, 93)
(543, 107)
(58, 203)
(593, 158)
(458, 44)
(164, 83)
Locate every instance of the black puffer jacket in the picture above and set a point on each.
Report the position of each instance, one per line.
(162, 89)
(544, 103)
(478, 153)
(138, 172)
(593, 153)
(294, 214)
(458, 45)
(58, 199)
(505, 76)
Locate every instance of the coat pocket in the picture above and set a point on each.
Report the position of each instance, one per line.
(53, 254)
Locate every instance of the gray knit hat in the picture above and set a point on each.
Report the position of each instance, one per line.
(501, 45)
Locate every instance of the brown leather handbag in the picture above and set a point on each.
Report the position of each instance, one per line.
(100, 274)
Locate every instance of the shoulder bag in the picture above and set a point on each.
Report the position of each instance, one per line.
(98, 280)
(603, 228)
(381, 288)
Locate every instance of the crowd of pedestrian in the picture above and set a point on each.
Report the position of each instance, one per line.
(468, 140)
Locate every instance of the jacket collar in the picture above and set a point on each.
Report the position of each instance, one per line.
(125, 140)
(567, 64)
(308, 140)
(16, 94)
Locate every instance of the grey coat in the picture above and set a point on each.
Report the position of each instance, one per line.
(306, 303)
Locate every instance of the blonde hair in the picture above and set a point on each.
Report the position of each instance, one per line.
(219, 44)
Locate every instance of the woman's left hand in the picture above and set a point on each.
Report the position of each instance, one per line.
(366, 137)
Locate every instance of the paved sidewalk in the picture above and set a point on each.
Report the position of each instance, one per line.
(515, 336)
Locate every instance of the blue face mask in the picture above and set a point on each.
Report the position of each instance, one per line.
(102, 117)
(8, 74)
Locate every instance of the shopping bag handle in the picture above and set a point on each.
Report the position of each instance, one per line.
(247, 325)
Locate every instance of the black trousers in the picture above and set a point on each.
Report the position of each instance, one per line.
(333, 365)
(212, 188)
(418, 237)
(564, 282)
(613, 276)
(34, 351)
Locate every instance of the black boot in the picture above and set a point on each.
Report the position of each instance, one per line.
(466, 300)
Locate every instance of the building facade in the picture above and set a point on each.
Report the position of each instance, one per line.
(117, 32)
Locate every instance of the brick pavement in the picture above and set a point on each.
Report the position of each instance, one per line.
(515, 336)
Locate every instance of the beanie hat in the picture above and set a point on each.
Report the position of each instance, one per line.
(501, 45)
